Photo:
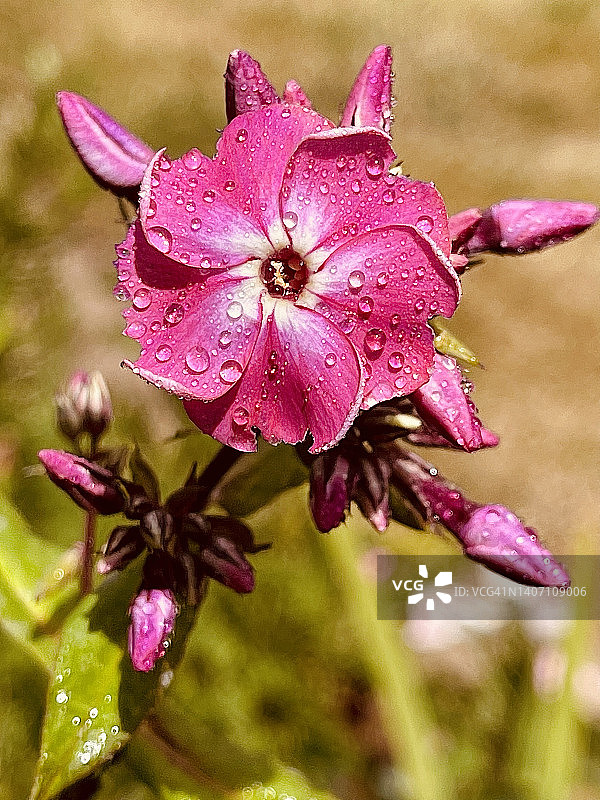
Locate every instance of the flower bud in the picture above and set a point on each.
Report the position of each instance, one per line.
(370, 100)
(521, 226)
(491, 535)
(124, 544)
(224, 561)
(371, 492)
(330, 489)
(112, 155)
(443, 405)
(294, 94)
(84, 406)
(246, 85)
(152, 615)
(92, 487)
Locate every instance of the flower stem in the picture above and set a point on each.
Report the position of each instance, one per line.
(89, 546)
(404, 706)
(212, 474)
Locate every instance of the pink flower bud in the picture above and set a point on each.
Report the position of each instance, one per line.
(294, 93)
(84, 406)
(152, 615)
(92, 487)
(330, 489)
(113, 156)
(521, 226)
(496, 538)
(225, 562)
(491, 535)
(246, 85)
(443, 404)
(371, 491)
(370, 100)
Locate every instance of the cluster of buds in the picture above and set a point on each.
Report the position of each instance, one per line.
(84, 408)
(184, 547)
(372, 467)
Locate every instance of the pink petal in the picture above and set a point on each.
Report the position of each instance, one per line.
(304, 376)
(425, 437)
(294, 93)
(215, 213)
(370, 100)
(461, 225)
(192, 325)
(338, 185)
(112, 155)
(444, 406)
(247, 88)
(380, 288)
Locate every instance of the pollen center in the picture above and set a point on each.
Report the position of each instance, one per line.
(284, 274)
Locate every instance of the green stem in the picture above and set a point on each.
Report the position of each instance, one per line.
(87, 559)
(405, 708)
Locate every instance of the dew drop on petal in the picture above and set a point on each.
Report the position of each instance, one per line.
(151, 212)
(348, 324)
(355, 186)
(374, 166)
(356, 279)
(388, 196)
(62, 697)
(192, 159)
(395, 361)
(382, 280)
(225, 338)
(290, 220)
(197, 360)
(230, 371)
(374, 341)
(135, 330)
(365, 306)
(425, 224)
(163, 353)
(174, 314)
(330, 359)
(234, 310)
(395, 321)
(208, 196)
(160, 238)
(241, 416)
(229, 186)
(142, 299)
(195, 223)
(242, 135)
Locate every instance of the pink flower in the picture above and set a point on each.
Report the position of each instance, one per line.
(152, 615)
(286, 283)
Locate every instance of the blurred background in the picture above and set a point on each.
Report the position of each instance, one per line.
(496, 99)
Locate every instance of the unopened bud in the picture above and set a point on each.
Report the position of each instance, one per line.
(371, 492)
(330, 489)
(112, 155)
(124, 544)
(370, 100)
(152, 615)
(92, 487)
(84, 406)
(247, 88)
(225, 562)
(521, 226)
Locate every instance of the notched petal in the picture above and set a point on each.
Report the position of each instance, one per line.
(247, 88)
(370, 99)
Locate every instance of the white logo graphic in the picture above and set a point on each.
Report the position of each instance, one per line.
(441, 579)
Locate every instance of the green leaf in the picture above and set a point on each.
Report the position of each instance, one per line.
(285, 783)
(259, 477)
(96, 699)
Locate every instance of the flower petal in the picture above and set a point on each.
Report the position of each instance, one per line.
(380, 288)
(338, 185)
(294, 93)
(113, 156)
(223, 211)
(247, 88)
(194, 327)
(304, 376)
(370, 99)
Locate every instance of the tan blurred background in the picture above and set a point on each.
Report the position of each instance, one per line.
(496, 99)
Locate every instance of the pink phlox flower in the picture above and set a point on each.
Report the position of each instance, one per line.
(286, 283)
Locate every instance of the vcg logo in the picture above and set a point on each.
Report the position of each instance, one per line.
(417, 587)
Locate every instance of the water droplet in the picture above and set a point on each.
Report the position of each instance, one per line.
(234, 310)
(114, 730)
(192, 159)
(160, 238)
(190, 206)
(425, 224)
(388, 196)
(395, 321)
(419, 305)
(229, 186)
(142, 299)
(242, 135)
(164, 163)
(382, 280)
(197, 360)
(241, 417)
(76, 720)
(374, 341)
(355, 186)
(285, 112)
(93, 713)
(151, 212)
(324, 188)
(395, 361)
(348, 324)
(62, 697)
(365, 306)
(330, 359)
(163, 353)
(290, 220)
(356, 279)
(208, 196)
(174, 314)
(195, 223)
(374, 166)
(135, 330)
(225, 338)
(230, 371)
